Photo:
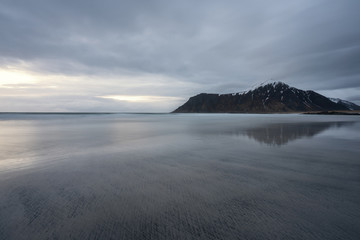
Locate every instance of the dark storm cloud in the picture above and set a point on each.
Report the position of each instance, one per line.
(221, 46)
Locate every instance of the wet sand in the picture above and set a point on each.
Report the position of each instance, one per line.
(215, 176)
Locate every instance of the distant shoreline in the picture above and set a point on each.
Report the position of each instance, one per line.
(354, 112)
(357, 112)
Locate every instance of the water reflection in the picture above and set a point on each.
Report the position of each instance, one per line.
(274, 134)
(283, 133)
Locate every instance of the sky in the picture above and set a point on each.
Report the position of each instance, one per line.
(151, 56)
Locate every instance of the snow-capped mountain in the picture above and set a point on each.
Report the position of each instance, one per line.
(267, 98)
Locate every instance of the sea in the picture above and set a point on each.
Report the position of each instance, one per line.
(179, 176)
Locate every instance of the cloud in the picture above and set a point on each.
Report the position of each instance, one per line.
(174, 48)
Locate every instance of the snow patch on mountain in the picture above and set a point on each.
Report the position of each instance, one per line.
(348, 104)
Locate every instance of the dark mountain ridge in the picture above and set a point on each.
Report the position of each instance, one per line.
(270, 98)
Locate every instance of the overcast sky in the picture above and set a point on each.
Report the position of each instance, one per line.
(152, 55)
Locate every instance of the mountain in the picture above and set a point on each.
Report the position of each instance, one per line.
(269, 98)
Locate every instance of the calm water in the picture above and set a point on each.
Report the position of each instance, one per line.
(170, 176)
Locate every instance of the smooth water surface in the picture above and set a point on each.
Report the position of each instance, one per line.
(179, 176)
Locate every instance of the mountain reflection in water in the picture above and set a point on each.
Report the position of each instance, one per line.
(283, 133)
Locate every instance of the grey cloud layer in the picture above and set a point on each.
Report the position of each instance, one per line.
(216, 44)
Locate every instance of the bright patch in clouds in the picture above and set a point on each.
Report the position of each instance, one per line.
(128, 98)
(12, 77)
